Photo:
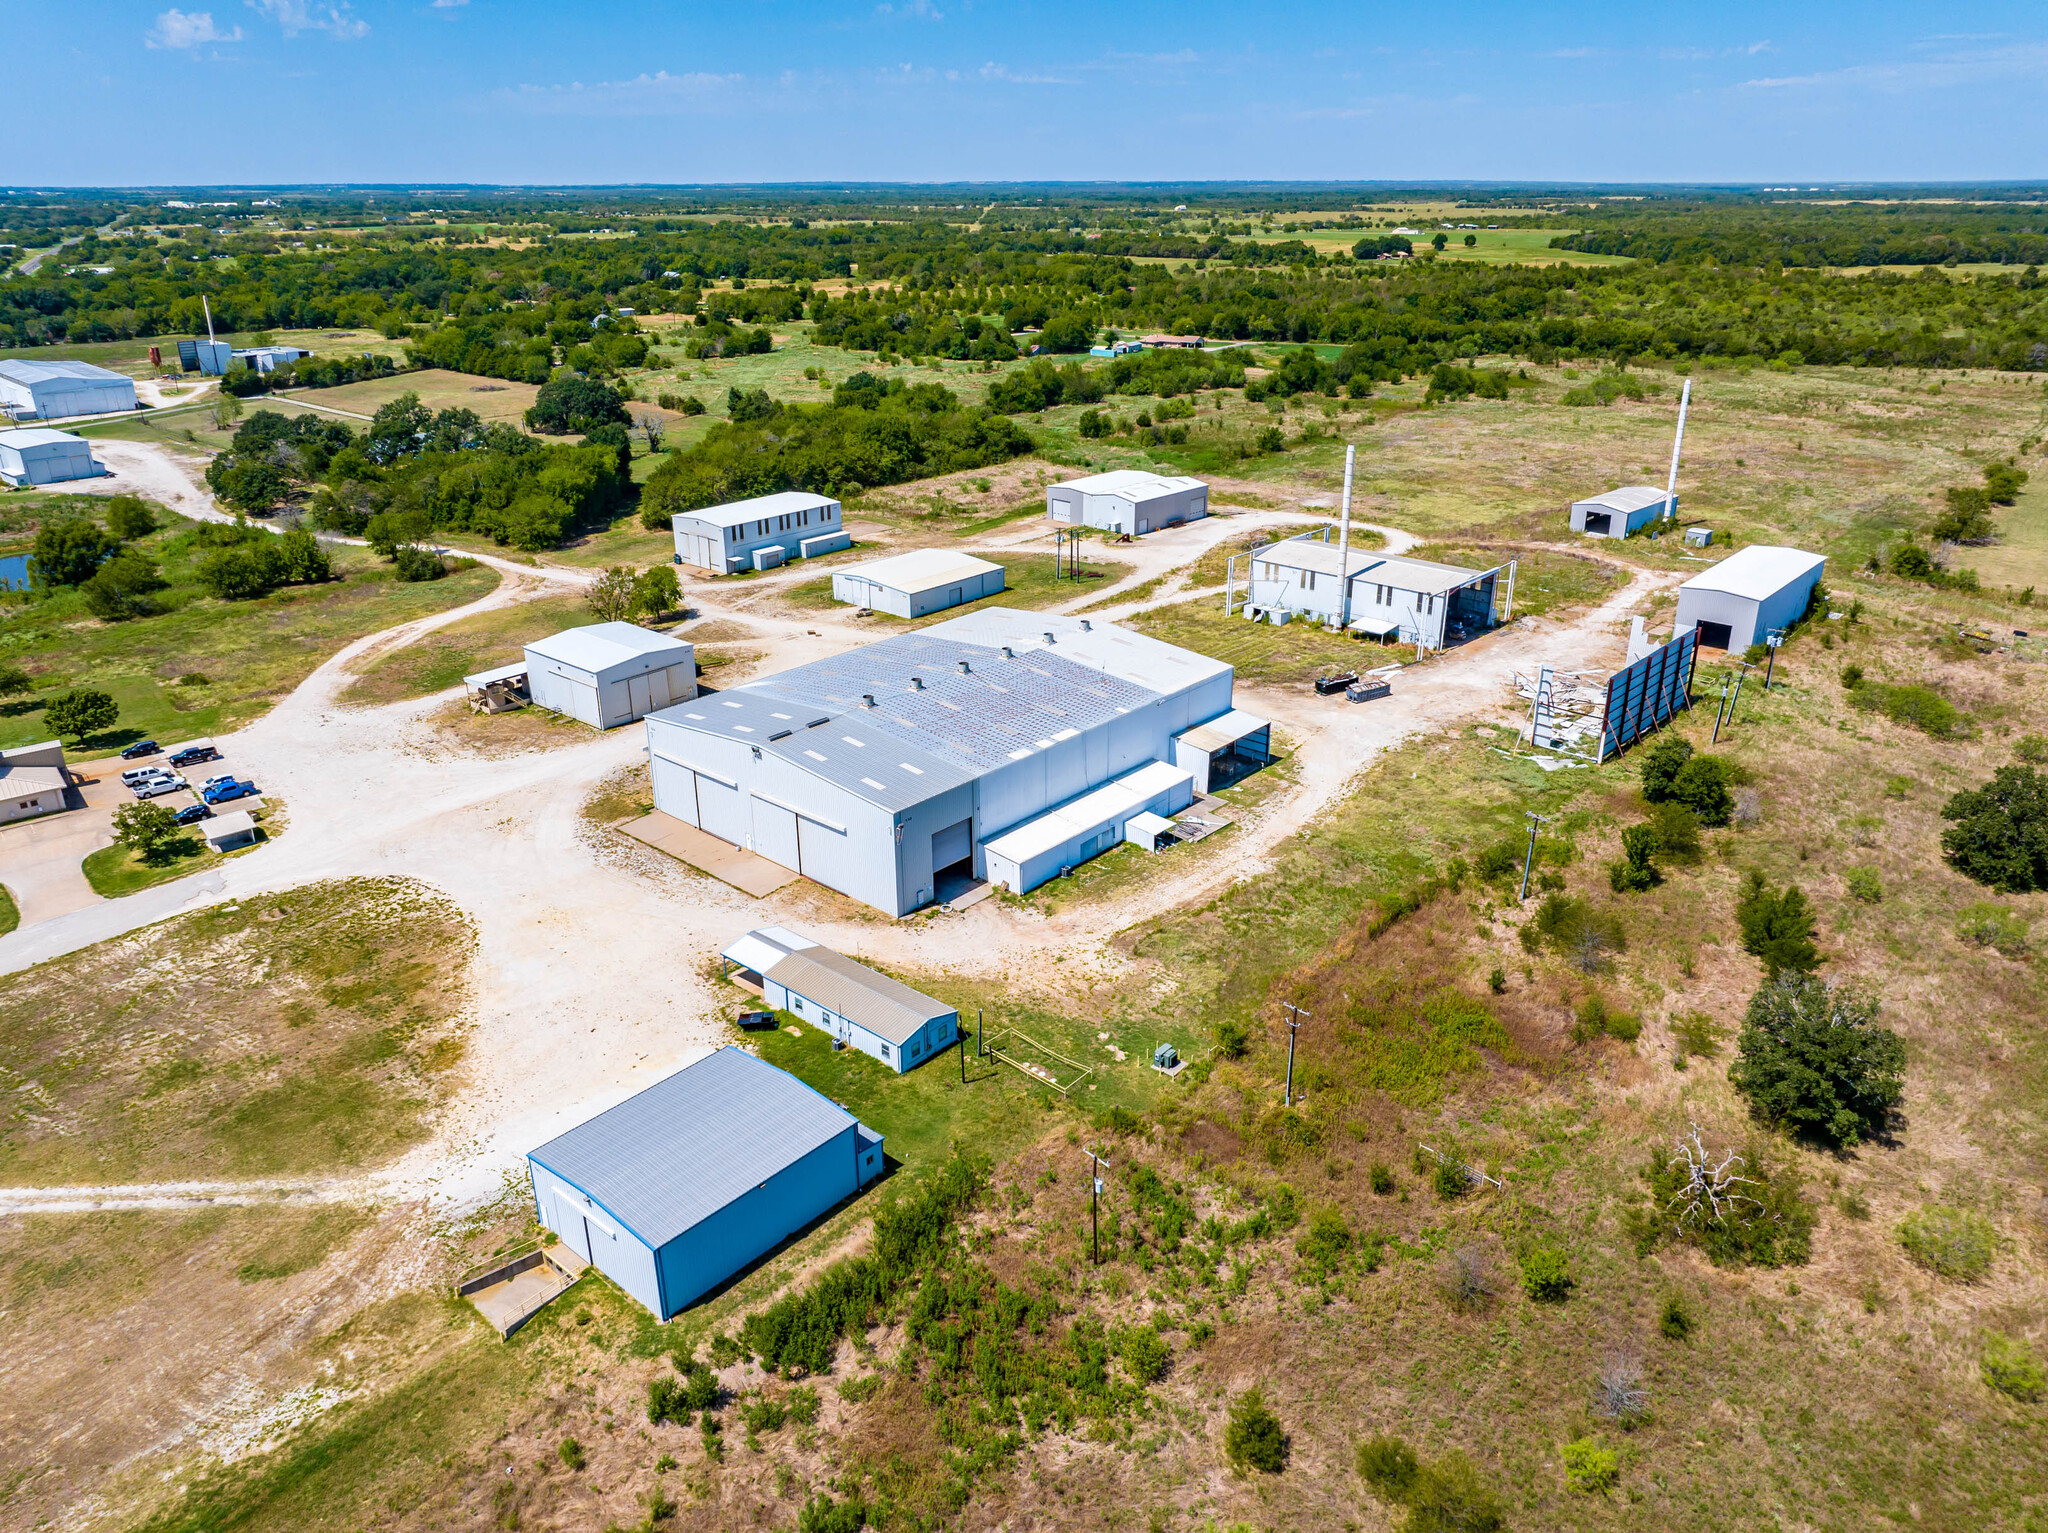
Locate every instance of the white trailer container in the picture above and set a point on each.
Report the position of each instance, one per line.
(608, 674)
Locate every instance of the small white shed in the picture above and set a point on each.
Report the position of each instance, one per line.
(225, 832)
(1620, 512)
(1746, 595)
(923, 581)
(608, 674)
(38, 455)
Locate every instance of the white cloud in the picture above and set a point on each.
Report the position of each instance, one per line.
(910, 10)
(649, 95)
(448, 5)
(1968, 67)
(175, 29)
(296, 16)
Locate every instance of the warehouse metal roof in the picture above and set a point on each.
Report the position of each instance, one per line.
(598, 646)
(760, 950)
(1758, 572)
(1134, 483)
(1422, 576)
(669, 1157)
(761, 507)
(1630, 497)
(51, 372)
(886, 1007)
(922, 569)
(39, 436)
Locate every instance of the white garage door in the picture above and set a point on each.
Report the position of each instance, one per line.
(639, 696)
(953, 844)
(775, 834)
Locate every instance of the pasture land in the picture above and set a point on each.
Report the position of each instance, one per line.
(494, 399)
(441, 659)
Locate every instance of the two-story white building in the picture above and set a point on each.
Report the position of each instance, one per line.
(1412, 601)
(761, 533)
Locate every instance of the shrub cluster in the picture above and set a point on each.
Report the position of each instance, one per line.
(1812, 1057)
(1446, 1496)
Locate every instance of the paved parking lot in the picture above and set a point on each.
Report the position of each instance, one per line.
(39, 859)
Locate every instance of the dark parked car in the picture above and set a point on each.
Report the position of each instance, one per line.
(191, 755)
(139, 749)
(192, 814)
(221, 793)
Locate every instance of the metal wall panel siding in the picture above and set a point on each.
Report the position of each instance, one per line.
(1646, 695)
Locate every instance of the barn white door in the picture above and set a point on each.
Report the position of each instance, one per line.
(639, 696)
(775, 834)
(657, 690)
(953, 844)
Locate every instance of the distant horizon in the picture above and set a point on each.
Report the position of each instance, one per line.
(490, 93)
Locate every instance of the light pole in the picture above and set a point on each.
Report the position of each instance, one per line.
(1536, 822)
(1295, 1017)
(1095, 1206)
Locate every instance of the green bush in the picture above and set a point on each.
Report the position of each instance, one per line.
(1590, 1467)
(1327, 1240)
(1702, 785)
(1145, 1355)
(1777, 926)
(1382, 1178)
(570, 1452)
(2011, 1368)
(1595, 1020)
(1812, 1057)
(1952, 1242)
(1546, 1275)
(1253, 1439)
(1921, 708)
(1233, 1038)
(1573, 928)
(1388, 1466)
(1636, 870)
(1987, 925)
(1762, 1221)
(1450, 1497)
(1678, 831)
(1674, 1321)
(1864, 884)
(821, 1514)
(1998, 834)
(1662, 763)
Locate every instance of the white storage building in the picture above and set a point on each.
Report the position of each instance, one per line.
(1749, 593)
(1414, 601)
(760, 534)
(1620, 512)
(877, 770)
(50, 390)
(608, 674)
(32, 780)
(863, 1009)
(923, 581)
(267, 359)
(1128, 500)
(1022, 859)
(38, 455)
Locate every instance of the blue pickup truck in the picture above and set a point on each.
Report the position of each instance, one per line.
(225, 792)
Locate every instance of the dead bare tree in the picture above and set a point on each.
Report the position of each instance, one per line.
(1708, 1192)
(1589, 947)
(1619, 1395)
(1467, 1278)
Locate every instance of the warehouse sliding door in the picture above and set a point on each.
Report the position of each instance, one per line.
(775, 834)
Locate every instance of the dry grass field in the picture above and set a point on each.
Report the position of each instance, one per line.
(494, 399)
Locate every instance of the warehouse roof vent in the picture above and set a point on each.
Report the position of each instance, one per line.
(966, 669)
(1049, 638)
(867, 699)
(1086, 626)
(1009, 653)
(917, 683)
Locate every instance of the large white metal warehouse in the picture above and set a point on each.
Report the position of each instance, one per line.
(1415, 601)
(675, 1190)
(863, 1009)
(1620, 512)
(877, 770)
(38, 455)
(50, 390)
(608, 674)
(926, 580)
(1128, 500)
(1751, 592)
(759, 534)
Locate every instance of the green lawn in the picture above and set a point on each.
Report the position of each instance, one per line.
(116, 870)
(1028, 581)
(203, 666)
(10, 913)
(1295, 652)
(1544, 582)
(442, 658)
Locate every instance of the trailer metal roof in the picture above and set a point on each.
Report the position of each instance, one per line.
(886, 1007)
(669, 1157)
(760, 508)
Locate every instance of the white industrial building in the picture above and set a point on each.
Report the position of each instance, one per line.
(1747, 595)
(41, 391)
(915, 584)
(38, 455)
(1128, 500)
(268, 359)
(861, 1008)
(608, 674)
(32, 780)
(760, 534)
(1621, 512)
(875, 771)
(1412, 601)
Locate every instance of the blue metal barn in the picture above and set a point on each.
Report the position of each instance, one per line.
(676, 1189)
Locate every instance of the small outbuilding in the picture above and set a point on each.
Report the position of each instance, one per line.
(268, 359)
(923, 581)
(1747, 595)
(1128, 500)
(1087, 826)
(50, 390)
(1230, 746)
(1620, 512)
(503, 688)
(32, 781)
(860, 1008)
(761, 533)
(687, 1183)
(225, 832)
(38, 455)
(1414, 601)
(608, 674)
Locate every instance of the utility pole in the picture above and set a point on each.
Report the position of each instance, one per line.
(1722, 712)
(1772, 640)
(1344, 547)
(978, 1050)
(1295, 1017)
(1536, 822)
(962, 1051)
(1095, 1206)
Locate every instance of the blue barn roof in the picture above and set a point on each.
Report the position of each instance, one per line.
(685, 1147)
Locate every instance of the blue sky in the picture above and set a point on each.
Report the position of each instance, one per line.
(251, 91)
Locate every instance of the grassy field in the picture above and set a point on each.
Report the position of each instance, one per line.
(204, 666)
(132, 357)
(494, 399)
(1028, 581)
(1260, 652)
(10, 913)
(114, 871)
(442, 658)
(1494, 247)
(161, 1061)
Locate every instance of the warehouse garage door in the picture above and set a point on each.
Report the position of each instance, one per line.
(722, 811)
(953, 844)
(675, 790)
(1715, 635)
(775, 834)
